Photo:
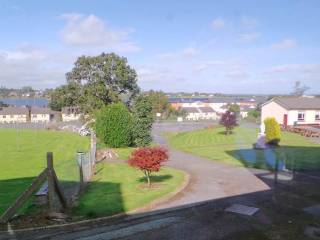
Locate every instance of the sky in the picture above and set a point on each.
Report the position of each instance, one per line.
(247, 46)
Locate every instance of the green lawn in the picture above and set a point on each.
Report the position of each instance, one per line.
(23, 157)
(295, 151)
(117, 188)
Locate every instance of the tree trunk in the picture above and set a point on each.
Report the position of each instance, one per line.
(147, 174)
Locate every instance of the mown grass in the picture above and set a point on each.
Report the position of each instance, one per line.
(23, 157)
(118, 188)
(295, 151)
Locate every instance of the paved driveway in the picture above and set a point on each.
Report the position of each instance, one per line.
(208, 179)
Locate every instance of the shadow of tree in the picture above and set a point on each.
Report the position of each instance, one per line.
(155, 179)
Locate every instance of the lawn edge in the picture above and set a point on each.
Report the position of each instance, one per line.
(142, 210)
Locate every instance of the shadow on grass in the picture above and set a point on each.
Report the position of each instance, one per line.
(100, 198)
(298, 158)
(155, 179)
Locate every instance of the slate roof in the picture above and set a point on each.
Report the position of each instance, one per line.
(206, 109)
(298, 103)
(71, 110)
(191, 109)
(41, 110)
(14, 111)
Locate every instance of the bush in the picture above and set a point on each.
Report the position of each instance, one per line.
(143, 120)
(273, 131)
(148, 159)
(114, 125)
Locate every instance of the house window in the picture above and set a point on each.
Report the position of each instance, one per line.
(34, 115)
(4, 116)
(317, 117)
(300, 116)
(11, 116)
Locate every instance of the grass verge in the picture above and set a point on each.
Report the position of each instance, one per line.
(118, 188)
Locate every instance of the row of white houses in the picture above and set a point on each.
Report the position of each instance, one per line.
(200, 113)
(38, 114)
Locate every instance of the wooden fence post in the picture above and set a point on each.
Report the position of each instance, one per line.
(50, 181)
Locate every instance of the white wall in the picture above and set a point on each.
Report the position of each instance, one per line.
(70, 117)
(273, 109)
(13, 118)
(40, 118)
(309, 117)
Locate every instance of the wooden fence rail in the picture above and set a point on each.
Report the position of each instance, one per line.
(53, 187)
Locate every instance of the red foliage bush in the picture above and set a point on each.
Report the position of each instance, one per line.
(148, 159)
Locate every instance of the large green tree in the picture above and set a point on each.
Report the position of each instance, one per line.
(64, 96)
(160, 103)
(103, 79)
(143, 120)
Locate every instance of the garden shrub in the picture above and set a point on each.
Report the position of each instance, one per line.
(114, 125)
(273, 131)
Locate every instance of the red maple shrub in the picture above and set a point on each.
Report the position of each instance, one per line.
(148, 160)
(229, 121)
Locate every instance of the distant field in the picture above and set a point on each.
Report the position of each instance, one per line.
(295, 151)
(23, 157)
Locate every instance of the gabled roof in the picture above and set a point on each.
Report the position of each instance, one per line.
(191, 109)
(14, 111)
(41, 110)
(297, 103)
(206, 109)
(71, 110)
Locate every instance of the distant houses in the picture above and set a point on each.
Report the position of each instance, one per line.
(215, 105)
(14, 115)
(290, 111)
(70, 114)
(42, 115)
(200, 113)
(38, 114)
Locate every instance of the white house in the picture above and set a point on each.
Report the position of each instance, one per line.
(14, 115)
(245, 109)
(290, 111)
(41, 115)
(70, 114)
(200, 113)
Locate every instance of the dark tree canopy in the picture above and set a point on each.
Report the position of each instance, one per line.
(229, 121)
(65, 96)
(299, 89)
(143, 120)
(160, 103)
(103, 79)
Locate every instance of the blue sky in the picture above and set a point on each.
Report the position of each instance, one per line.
(209, 46)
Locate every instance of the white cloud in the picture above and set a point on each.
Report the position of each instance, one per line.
(188, 52)
(218, 23)
(284, 44)
(91, 31)
(28, 65)
(249, 22)
(249, 37)
(295, 68)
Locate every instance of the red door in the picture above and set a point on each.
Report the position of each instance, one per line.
(285, 120)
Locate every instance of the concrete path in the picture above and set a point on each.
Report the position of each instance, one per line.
(209, 180)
